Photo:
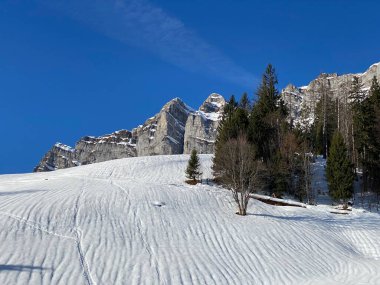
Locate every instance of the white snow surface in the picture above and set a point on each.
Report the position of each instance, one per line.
(64, 147)
(134, 221)
(213, 116)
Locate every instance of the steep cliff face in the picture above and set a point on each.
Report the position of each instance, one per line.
(302, 101)
(163, 133)
(201, 126)
(88, 150)
(97, 149)
(176, 129)
(58, 157)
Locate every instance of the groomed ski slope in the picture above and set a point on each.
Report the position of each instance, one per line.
(134, 221)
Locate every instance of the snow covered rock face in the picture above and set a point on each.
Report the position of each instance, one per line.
(59, 156)
(302, 101)
(88, 150)
(176, 129)
(97, 149)
(201, 126)
(163, 133)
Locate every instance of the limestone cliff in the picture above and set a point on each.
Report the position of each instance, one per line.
(163, 133)
(176, 129)
(302, 101)
(88, 150)
(201, 126)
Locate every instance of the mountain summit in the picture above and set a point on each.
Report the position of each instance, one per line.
(176, 129)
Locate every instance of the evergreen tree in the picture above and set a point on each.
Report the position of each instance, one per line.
(364, 132)
(244, 102)
(363, 115)
(193, 167)
(374, 164)
(263, 119)
(225, 124)
(234, 123)
(267, 130)
(230, 106)
(339, 170)
(375, 91)
(356, 95)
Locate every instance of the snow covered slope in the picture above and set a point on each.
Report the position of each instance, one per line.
(134, 221)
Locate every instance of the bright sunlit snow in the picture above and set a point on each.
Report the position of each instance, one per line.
(134, 221)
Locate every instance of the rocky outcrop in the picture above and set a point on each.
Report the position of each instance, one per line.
(163, 133)
(176, 129)
(58, 157)
(201, 126)
(119, 144)
(88, 150)
(301, 101)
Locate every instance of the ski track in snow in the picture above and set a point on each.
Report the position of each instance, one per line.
(78, 234)
(100, 224)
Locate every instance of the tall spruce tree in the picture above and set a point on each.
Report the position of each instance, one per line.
(339, 170)
(363, 117)
(364, 132)
(193, 167)
(263, 119)
(267, 129)
(375, 91)
(233, 123)
(356, 96)
(244, 102)
(374, 165)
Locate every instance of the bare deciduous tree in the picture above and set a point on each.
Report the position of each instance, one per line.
(237, 169)
(307, 176)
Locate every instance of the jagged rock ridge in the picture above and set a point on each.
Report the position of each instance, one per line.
(88, 150)
(163, 133)
(302, 101)
(201, 126)
(176, 129)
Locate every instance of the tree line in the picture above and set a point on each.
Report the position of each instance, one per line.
(258, 149)
(347, 131)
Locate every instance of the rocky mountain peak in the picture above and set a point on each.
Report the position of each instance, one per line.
(176, 104)
(175, 129)
(163, 133)
(214, 103)
(290, 88)
(202, 125)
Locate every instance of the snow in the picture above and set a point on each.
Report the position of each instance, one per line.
(373, 65)
(172, 139)
(318, 182)
(64, 147)
(269, 198)
(135, 221)
(213, 116)
(205, 140)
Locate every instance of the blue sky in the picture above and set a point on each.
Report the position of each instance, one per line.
(89, 67)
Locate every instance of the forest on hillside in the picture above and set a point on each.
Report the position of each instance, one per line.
(258, 148)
